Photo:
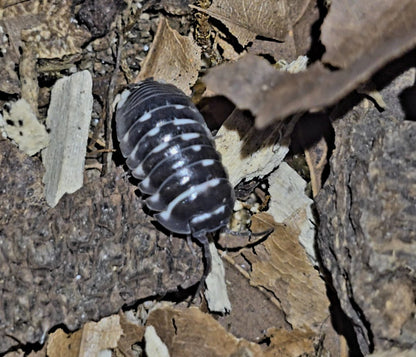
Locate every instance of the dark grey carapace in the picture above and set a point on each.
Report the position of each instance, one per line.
(170, 149)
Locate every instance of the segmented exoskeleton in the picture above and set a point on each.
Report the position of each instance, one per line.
(170, 149)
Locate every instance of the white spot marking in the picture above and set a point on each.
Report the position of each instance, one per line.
(207, 216)
(154, 199)
(145, 116)
(154, 131)
(190, 136)
(179, 122)
(207, 162)
(159, 148)
(138, 171)
(145, 183)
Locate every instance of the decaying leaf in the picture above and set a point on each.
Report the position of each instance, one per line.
(21, 125)
(61, 343)
(245, 19)
(92, 339)
(280, 265)
(293, 343)
(247, 152)
(355, 29)
(55, 36)
(290, 205)
(95, 337)
(228, 51)
(172, 58)
(302, 15)
(254, 310)
(262, 23)
(133, 333)
(251, 83)
(244, 82)
(191, 332)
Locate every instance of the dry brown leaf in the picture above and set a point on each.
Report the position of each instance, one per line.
(281, 266)
(290, 205)
(132, 333)
(355, 29)
(253, 84)
(270, 19)
(246, 19)
(293, 343)
(173, 58)
(303, 15)
(280, 20)
(254, 311)
(244, 82)
(62, 344)
(247, 152)
(228, 51)
(193, 333)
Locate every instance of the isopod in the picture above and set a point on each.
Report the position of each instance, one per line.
(168, 146)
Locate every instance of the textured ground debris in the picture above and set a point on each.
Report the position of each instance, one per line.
(172, 58)
(372, 173)
(97, 251)
(82, 260)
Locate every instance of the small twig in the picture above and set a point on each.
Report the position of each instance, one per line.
(95, 141)
(108, 107)
(93, 154)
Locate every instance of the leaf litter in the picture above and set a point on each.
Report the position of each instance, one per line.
(278, 267)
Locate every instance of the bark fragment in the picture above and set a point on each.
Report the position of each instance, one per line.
(81, 260)
(368, 221)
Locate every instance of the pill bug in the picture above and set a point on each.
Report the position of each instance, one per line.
(168, 146)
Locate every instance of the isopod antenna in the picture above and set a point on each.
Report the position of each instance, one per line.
(204, 241)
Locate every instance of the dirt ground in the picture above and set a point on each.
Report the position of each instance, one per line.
(312, 108)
